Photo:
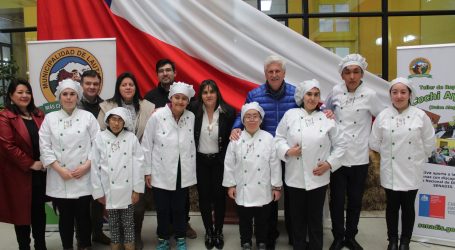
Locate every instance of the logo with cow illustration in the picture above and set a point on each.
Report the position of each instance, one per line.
(420, 67)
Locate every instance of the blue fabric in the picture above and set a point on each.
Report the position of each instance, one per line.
(274, 105)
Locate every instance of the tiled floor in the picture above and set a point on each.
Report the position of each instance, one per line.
(372, 235)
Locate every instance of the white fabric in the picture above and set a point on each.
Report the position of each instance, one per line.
(235, 38)
(254, 106)
(117, 168)
(352, 59)
(69, 84)
(164, 142)
(354, 112)
(406, 82)
(319, 139)
(405, 141)
(208, 139)
(123, 113)
(181, 88)
(303, 87)
(67, 139)
(251, 165)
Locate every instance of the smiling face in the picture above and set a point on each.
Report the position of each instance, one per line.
(166, 76)
(352, 77)
(311, 99)
(274, 73)
(252, 120)
(68, 100)
(209, 97)
(400, 95)
(179, 102)
(21, 97)
(116, 124)
(127, 89)
(91, 87)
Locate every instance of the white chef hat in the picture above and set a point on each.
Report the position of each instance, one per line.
(181, 88)
(251, 105)
(302, 88)
(352, 59)
(68, 84)
(123, 113)
(406, 82)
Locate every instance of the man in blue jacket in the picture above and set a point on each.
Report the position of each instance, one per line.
(275, 96)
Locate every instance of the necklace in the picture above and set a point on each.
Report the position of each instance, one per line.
(27, 117)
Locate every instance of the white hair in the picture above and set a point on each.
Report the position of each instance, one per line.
(275, 59)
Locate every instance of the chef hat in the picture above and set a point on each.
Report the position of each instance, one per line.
(123, 113)
(181, 88)
(68, 84)
(406, 82)
(251, 105)
(302, 88)
(352, 59)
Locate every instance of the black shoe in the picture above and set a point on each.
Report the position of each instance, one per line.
(352, 244)
(271, 245)
(337, 244)
(404, 244)
(218, 239)
(393, 244)
(246, 246)
(101, 238)
(209, 240)
(262, 246)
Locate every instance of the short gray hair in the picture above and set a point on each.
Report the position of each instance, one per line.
(275, 59)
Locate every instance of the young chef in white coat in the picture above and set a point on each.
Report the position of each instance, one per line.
(118, 175)
(170, 155)
(312, 146)
(66, 138)
(404, 136)
(252, 174)
(354, 105)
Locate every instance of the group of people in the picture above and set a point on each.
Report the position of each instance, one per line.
(94, 154)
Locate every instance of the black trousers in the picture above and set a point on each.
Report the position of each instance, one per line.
(209, 173)
(396, 200)
(70, 211)
(38, 223)
(246, 217)
(350, 182)
(169, 202)
(96, 215)
(306, 214)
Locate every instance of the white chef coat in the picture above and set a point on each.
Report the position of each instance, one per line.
(67, 139)
(164, 142)
(117, 168)
(405, 141)
(319, 139)
(251, 165)
(353, 114)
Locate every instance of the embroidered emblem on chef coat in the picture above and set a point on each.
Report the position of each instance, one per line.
(401, 121)
(115, 146)
(67, 124)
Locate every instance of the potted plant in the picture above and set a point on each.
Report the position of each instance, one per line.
(8, 71)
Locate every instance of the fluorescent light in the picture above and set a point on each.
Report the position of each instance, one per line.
(266, 5)
(409, 38)
(379, 41)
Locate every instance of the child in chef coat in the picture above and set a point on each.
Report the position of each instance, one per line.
(252, 174)
(117, 175)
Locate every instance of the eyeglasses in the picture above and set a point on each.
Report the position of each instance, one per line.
(252, 117)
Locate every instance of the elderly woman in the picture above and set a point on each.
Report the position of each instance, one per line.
(21, 174)
(311, 145)
(170, 155)
(127, 96)
(212, 127)
(66, 138)
(404, 136)
(253, 176)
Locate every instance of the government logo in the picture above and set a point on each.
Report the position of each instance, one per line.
(420, 67)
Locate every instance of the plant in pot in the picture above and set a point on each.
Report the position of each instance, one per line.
(8, 71)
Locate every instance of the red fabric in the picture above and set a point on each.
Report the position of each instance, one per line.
(15, 175)
(137, 51)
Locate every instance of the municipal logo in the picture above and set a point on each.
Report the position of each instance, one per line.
(420, 67)
(68, 62)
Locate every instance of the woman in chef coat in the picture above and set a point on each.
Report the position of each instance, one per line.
(118, 175)
(311, 145)
(404, 136)
(66, 138)
(252, 174)
(170, 155)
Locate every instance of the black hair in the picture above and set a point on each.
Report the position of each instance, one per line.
(117, 98)
(90, 73)
(219, 99)
(31, 108)
(163, 62)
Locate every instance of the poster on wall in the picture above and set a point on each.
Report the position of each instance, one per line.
(430, 68)
(55, 60)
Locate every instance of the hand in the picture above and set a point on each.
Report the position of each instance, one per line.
(232, 192)
(65, 174)
(37, 165)
(294, 151)
(276, 194)
(329, 114)
(102, 200)
(148, 181)
(321, 168)
(81, 170)
(134, 197)
(235, 134)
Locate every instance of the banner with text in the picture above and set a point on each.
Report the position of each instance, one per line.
(428, 67)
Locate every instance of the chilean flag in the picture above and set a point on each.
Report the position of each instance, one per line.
(226, 41)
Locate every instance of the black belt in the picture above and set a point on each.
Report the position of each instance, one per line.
(209, 156)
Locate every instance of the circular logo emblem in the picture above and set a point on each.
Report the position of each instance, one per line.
(420, 67)
(68, 62)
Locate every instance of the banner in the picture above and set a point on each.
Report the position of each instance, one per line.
(429, 69)
(53, 61)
